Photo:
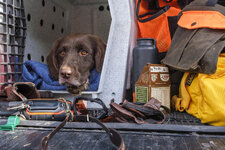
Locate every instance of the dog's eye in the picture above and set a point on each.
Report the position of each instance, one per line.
(83, 52)
(62, 53)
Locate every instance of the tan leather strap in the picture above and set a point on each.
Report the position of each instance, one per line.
(114, 136)
(45, 140)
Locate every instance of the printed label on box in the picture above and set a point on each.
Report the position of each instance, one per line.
(154, 77)
(154, 81)
(141, 94)
(164, 77)
(158, 69)
(162, 94)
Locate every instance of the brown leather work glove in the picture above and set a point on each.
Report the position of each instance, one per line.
(21, 91)
(134, 113)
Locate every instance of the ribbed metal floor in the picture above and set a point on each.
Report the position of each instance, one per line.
(180, 131)
(29, 138)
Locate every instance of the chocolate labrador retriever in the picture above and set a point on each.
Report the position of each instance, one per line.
(73, 57)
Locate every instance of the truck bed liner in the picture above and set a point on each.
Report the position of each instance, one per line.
(181, 131)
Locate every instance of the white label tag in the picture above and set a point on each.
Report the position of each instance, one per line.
(158, 69)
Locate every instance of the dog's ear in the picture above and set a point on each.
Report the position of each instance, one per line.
(100, 48)
(51, 60)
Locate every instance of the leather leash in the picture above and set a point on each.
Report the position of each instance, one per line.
(114, 136)
(45, 140)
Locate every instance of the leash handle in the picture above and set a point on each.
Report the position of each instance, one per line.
(45, 140)
(114, 136)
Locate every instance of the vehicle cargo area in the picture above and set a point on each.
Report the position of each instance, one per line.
(115, 115)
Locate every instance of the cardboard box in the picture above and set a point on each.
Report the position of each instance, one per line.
(154, 82)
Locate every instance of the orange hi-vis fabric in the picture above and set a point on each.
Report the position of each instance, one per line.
(154, 24)
(172, 3)
(202, 19)
(203, 95)
(199, 38)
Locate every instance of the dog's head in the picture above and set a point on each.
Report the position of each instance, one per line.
(73, 57)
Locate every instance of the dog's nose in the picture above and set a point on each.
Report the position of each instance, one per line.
(65, 72)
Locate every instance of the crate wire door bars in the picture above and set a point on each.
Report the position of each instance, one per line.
(12, 41)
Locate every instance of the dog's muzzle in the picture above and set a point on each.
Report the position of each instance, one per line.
(76, 90)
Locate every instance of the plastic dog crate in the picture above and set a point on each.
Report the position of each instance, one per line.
(47, 20)
(12, 41)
